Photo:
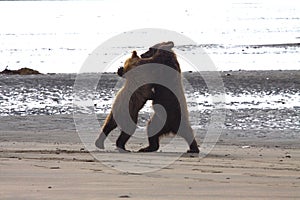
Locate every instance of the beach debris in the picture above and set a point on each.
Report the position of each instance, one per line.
(54, 167)
(124, 196)
(82, 149)
(287, 155)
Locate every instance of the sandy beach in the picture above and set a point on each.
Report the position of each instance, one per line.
(40, 161)
(240, 66)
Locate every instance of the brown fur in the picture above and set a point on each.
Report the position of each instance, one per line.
(136, 103)
(161, 54)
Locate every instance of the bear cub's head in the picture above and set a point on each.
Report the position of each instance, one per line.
(130, 63)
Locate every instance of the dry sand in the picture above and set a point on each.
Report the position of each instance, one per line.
(62, 170)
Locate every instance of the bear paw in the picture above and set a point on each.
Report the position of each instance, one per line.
(122, 150)
(148, 149)
(193, 151)
(99, 143)
(121, 71)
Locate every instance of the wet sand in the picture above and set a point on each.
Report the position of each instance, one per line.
(45, 171)
(43, 158)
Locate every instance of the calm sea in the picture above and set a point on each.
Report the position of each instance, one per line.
(57, 36)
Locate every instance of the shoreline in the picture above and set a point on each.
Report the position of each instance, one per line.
(51, 129)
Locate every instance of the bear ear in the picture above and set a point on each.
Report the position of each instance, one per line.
(167, 46)
(134, 54)
(170, 44)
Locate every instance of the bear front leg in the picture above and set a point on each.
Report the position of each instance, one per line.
(108, 126)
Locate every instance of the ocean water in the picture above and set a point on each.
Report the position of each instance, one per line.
(57, 36)
(258, 100)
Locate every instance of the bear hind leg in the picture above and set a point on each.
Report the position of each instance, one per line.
(124, 136)
(189, 137)
(154, 133)
(193, 147)
(109, 125)
(121, 142)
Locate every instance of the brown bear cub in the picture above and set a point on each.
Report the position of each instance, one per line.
(136, 103)
(175, 108)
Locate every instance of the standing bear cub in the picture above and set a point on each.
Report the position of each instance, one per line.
(137, 101)
(174, 113)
